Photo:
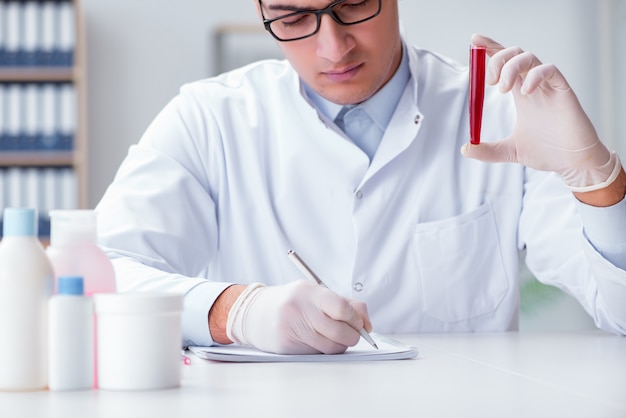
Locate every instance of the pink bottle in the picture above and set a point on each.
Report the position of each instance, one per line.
(73, 251)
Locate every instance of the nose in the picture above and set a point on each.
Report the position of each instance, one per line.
(333, 40)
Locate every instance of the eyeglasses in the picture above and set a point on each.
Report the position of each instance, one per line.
(302, 23)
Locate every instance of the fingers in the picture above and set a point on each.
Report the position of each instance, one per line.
(492, 152)
(361, 308)
(546, 74)
(342, 311)
(329, 336)
(491, 45)
(341, 318)
(510, 65)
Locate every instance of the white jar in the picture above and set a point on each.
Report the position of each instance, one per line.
(70, 337)
(139, 340)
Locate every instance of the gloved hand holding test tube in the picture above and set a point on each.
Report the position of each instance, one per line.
(551, 132)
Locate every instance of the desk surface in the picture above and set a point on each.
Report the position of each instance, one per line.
(579, 374)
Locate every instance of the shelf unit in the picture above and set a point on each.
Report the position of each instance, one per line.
(74, 158)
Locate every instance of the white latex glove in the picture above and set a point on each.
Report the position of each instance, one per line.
(552, 132)
(296, 318)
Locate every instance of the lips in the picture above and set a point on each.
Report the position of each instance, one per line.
(344, 74)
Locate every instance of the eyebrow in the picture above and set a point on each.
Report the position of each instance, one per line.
(287, 7)
(282, 7)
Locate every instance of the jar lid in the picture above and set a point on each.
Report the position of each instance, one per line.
(136, 303)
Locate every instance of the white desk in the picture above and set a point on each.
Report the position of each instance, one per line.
(479, 375)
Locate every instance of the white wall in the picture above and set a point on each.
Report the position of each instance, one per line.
(617, 83)
(141, 51)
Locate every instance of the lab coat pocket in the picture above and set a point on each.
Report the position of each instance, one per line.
(461, 267)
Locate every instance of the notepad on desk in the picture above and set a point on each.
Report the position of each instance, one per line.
(388, 349)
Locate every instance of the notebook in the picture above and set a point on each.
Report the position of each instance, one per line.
(388, 349)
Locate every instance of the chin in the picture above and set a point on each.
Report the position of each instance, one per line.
(349, 97)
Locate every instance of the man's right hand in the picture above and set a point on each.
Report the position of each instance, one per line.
(296, 318)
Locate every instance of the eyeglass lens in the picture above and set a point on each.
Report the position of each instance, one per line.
(301, 24)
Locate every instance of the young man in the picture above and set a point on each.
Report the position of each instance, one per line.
(348, 153)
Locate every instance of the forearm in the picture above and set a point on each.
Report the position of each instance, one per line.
(607, 196)
(218, 314)
(200, 296)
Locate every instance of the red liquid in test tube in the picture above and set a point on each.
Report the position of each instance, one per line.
(476, 90)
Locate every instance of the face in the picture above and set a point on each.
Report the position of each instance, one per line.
(344, 64)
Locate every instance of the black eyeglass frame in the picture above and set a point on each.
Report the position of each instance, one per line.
(318, 14)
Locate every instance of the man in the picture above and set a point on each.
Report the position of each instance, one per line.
(348, 153)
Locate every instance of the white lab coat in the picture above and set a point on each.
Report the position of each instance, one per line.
(239, 169)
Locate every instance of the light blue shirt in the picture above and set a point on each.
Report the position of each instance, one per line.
(372, 115)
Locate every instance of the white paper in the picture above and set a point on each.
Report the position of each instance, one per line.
(388, 349)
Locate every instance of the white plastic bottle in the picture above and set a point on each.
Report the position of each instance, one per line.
(26, 282)
(70, 337)
(73, 250)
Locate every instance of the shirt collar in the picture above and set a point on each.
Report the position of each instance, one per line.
(380, 106)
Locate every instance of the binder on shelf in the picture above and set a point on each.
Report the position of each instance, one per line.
(3, 117)
(12, 40)
(30, 117)
(32, 187)
(69, 188)
(30, 34)
(3, 189)
(67, 116)
(2, 36)
(13, 111)
(37, 33)
(52, 189)
(15, 188)
(48, 34)
(66, 34)
(49, 117)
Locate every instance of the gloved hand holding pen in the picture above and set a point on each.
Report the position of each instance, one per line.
(296, 318)
(552, 132)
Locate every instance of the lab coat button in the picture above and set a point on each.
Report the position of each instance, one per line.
(417, 119)
(358, 286)
(359, 194)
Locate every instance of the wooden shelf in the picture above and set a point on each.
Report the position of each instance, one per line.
(32, 74)
(36, 158)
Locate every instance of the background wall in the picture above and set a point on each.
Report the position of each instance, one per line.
(140, 52)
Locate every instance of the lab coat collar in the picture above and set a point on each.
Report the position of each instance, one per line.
(397, 137)
(406, 121)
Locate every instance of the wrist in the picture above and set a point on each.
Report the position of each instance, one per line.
(238, 314)
(607, 196)
(218, 314)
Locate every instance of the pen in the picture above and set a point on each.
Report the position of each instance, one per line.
(309, 273)
(476, 90)
(186, 360)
